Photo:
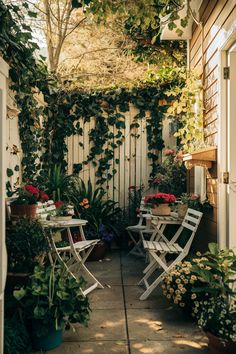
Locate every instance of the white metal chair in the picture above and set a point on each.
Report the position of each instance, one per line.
(159, 249)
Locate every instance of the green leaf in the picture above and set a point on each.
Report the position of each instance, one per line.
(9, 172)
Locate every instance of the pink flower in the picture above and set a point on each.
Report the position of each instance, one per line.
(194, 197)
(132, 187)
(169, 152)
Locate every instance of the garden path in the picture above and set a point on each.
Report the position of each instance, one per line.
(121, 323)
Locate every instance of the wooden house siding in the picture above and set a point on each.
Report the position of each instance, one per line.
(204, 56)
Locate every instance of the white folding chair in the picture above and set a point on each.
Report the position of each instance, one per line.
(135, 232)
(159, 249)
(74, 255)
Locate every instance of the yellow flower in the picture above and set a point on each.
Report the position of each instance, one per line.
(178, 281)
(193, 296)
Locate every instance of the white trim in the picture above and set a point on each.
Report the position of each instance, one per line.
(229, 38)
(4, 68)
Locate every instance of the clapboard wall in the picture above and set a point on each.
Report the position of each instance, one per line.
(215, 15)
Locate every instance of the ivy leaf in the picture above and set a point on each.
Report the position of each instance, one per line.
(9, 172)
(32, 14)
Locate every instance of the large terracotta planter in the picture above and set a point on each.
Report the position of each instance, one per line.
(98, 252)
(216, 346)
(23, 210)
(161, 210)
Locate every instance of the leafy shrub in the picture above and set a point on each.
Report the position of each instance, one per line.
(53, 298)
(26, 243)
(92, 205)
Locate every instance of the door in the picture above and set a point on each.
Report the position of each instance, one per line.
(231, 149)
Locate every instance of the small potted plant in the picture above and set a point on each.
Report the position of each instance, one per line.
(160, 203)
(50, 303)
(25, 204)
(64, 211)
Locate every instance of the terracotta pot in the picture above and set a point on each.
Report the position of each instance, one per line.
(98, 252)
(24, 210)
(162, 210)
(216, 346)
(182, 210)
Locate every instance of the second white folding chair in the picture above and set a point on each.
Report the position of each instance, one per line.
(159, 249)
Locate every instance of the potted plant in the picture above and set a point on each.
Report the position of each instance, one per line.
(160, 203)
(25, 204)
(92, 204)
(64, 211)
(217, 312)
(50, 303)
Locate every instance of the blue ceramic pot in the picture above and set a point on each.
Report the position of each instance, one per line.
(52, 340)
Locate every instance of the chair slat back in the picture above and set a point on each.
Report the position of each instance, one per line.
(191, 222)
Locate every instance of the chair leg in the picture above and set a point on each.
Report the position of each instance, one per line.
(157, 261)
(137, 249)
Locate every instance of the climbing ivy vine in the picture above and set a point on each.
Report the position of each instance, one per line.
(44, 127)
(71, 110)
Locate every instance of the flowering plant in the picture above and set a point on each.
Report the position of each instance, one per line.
(179, 284)
(159, 198)
(63, 209)
(217, 313)
(29, 194)
(193, 201)
(171, 174)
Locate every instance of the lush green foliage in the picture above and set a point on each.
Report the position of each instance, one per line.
(56, 183)
(26, 243)
(187, 110)
(205, 285)
(106, 108)
(92, 205)
(16, 337)
(53, 297)
(171, 176)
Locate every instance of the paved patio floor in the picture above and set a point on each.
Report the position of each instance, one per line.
(121, 323)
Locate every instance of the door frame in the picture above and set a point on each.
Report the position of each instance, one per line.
(3, 259)
(228, 39)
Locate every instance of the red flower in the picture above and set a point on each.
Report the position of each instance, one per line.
(132, 187)
(31, 189)
(43, 197)
(160, 198)
(58, 203)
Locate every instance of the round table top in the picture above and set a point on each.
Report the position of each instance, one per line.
(65, 223)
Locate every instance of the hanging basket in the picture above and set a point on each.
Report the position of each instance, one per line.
(23, 210)
(161, 210)
(216, 346)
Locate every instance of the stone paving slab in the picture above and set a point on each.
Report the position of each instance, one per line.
(107, 299)
(148, 324)
(103, 325)
(133, 293)
(168, 347)
(96, 347)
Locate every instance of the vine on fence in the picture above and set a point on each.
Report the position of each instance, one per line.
(44, 144)
(107, 108)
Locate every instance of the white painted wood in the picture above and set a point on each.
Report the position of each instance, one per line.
(228, 38)
(3, 255)
(231, 129)
(134, 167)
